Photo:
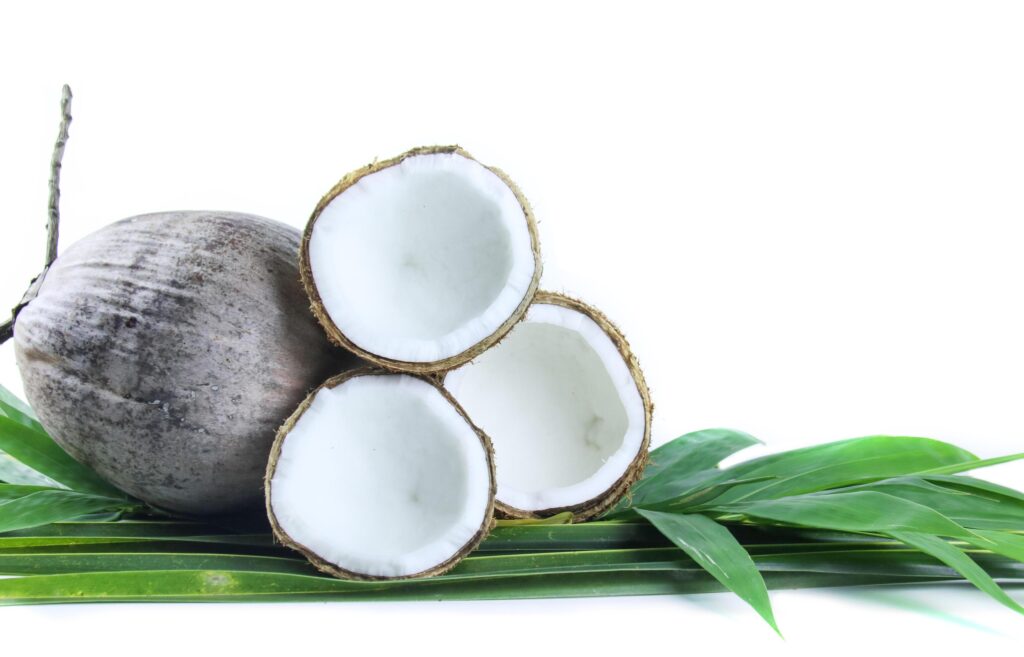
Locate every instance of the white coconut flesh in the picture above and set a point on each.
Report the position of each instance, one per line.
(381, 476)
(422, 260)
(563, 411)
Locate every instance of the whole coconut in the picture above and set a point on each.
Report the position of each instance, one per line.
(164, 351)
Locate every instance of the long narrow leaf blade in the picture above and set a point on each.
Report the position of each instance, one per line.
(14, 491)
(221, 586)
(42, 563)
(699, 450)
(690, 500)
(157, 529)
(587, 535)
(38, 451)
(889, 557)
(972, 464)
(563, 518)
(976, 486)
(862, 511)
(960, 562)
(964, 506)
(682, 464)
(1008, 545)
(11, 470)
(14, 471)
(18, 410)
(717, 551)
(842, 463)
(47, 506)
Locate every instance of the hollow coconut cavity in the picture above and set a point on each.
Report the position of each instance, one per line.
(565, 405)
(421, 262)
(380, 476)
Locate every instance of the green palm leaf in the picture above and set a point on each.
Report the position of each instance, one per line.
(976, 486)
(18, 410)
(717, 551)
(859, 511)
(956, 559)
(972, 464)
(1006, 544)
(842, 463)
(50, 505)
(965, 506)
(37, 451)
(696, 451)
(685, 465)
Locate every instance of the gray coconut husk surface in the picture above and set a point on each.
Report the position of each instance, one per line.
(330, 568)
(339, 338)
(604, 501)
(164, 350)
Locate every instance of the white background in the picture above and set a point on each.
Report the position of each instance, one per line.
(805, 216)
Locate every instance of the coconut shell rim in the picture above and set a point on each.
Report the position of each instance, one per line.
(335, 335)
(333, 569)
(605, 500)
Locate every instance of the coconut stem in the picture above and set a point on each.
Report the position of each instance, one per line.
(53, 220)
(53, 224)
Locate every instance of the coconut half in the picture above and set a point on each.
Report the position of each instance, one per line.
(380, 476)
(565, 405)
(421, 262)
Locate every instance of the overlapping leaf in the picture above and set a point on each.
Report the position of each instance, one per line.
(36, 451)
(683, 466)
(879, 509)
(838, 464)
(51, 505)
(719, 553)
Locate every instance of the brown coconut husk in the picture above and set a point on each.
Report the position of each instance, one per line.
(335, 334)
(281, 536)
(606, 500)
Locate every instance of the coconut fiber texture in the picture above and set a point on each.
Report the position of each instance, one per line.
(164, 350)
(608, 498)
(471, 351)
(282, 536)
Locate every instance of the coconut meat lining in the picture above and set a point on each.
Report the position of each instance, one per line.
(381, 476)
(422, 260)
(561, 407)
